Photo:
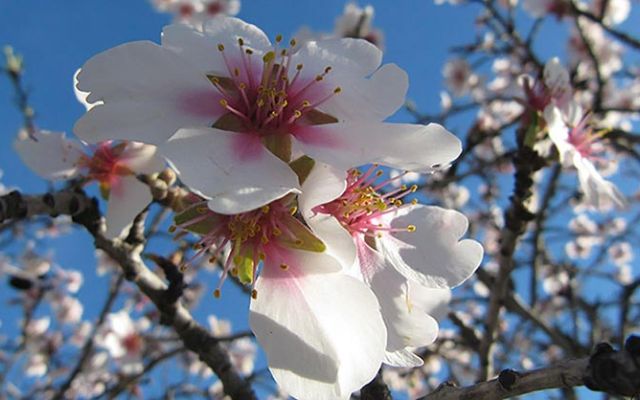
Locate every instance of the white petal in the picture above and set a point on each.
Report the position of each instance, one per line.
(127, 198)
(142, 158)
(433, 255)
(345, 56)
(201, 48)
(324, 184)
(323, 333)
(372, 99)
(598, 192)
(52, 157)
(339, 242)
(80, 95)
(148, 92)
(408, 322)
(233, 169)
(403, 146)
(402, 358)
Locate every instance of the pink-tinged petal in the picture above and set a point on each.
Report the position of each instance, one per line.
(367, 99)
(127, 198)
(142, 158)
(403, 146)
(598, 192)
(403, 359)
(148, 93)
(236, 178)
(433, 255)
(52, 156)
(201, 48)
(404, 309)
(323, 333)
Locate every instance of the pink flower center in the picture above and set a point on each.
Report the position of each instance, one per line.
(270, 96)
(132, 343)
(214, 8)
(585, 140)
(252, 236)
(362, 209)
(106, 163)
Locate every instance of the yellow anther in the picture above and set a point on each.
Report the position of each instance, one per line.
(268, 57)
(224, 103)
(337, 90)
(249, 51)
(299, 67)
(306, 103)
(234, 272)
(236, 71)
(264, 240)
(197, 246)
(183, 268)
(299, 242)
(215, 79)
(265, 209)
(411, 228)
(212, 260)
(319, 78)
(240, 41)
(242, 86)
(217, 293)
(293, 210)
(220, 47)
(297, 114)
(327, 69)
(414, 202)
(293, 42)
(277, 231)
(414, 188)
(283, 52)
(284, 267)
(262, 256)
(254, 294)
(278, 38)
(397, 203)
(379, 173)
(172, 228)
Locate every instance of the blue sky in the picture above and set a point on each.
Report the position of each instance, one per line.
(57, 37)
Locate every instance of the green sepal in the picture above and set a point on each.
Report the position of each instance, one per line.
(304, 239)
(245, 265)
(302, 167)
(531, 135)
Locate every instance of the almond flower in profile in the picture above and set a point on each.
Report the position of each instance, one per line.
(410, 255)
(321, 329)
(578, 145)
(230, 109)
(113, 165)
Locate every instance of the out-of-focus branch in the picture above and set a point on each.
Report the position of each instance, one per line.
(526, 162)
(14, 70)
(84, 211)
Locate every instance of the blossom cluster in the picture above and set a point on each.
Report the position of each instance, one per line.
(346, 269)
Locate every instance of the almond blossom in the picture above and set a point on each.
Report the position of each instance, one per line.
(196, 12)
(231, 109)
(122, 338)
(409, 255)
(321, 329)
(577, 146)
(113, 165)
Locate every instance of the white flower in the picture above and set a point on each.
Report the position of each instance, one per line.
(197, 12)
(409, 256)
(576, 146)
(113, 165)
(355, 22)
(459, 77)
(122, 339)
(268, 104)
(321, 329)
